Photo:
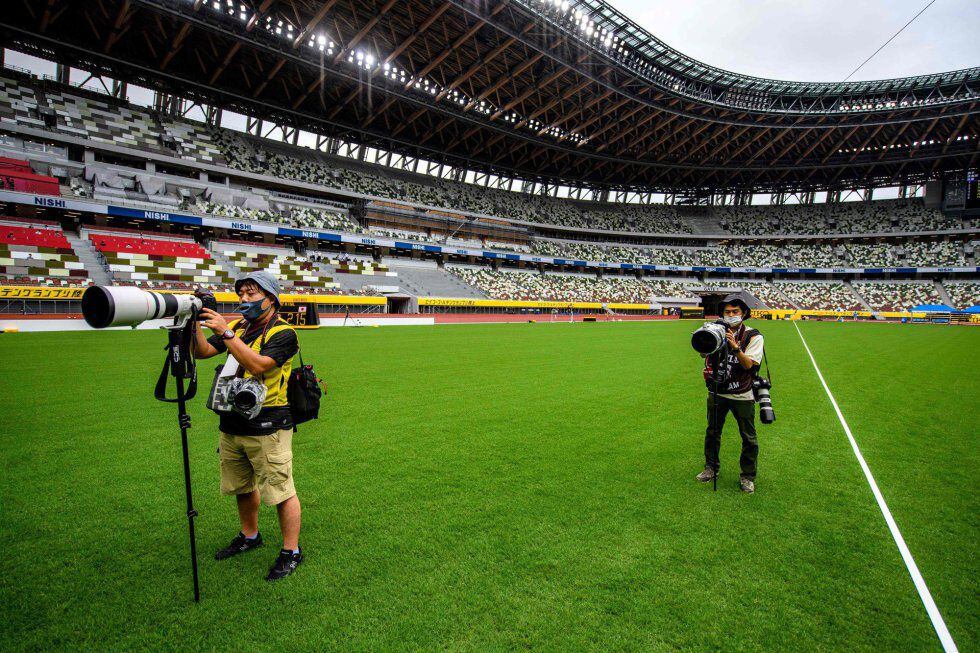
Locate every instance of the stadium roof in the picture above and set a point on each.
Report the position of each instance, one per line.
(562, 91)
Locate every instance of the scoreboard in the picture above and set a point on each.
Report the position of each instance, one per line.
(972, 189)
(301, 315)
(962, 190)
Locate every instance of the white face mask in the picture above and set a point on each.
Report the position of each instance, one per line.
(733, 320)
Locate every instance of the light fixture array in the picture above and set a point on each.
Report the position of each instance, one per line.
(372, 63)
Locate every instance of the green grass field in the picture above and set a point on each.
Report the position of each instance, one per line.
(501, 487)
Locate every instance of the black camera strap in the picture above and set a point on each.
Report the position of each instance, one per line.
(174, 368)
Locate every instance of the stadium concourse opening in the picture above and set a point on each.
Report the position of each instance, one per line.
(578, 194)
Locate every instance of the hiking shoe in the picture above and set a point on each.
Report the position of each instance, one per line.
(705, 476)
(240, 544)
(285, 564)
(747, 485)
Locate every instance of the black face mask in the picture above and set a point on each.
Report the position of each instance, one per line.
(252, 311)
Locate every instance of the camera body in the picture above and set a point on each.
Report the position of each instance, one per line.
(760, 390)
(239, 395)
(208, 300)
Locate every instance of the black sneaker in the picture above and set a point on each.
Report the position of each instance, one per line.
(240, 544)
(286, 564)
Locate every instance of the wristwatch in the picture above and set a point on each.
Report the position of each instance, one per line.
(228, 334)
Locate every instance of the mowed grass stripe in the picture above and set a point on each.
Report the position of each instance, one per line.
(483, 488)
(920, 585)
(912, 401)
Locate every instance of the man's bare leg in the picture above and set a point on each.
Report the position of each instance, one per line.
(289, 521)
(248, 512)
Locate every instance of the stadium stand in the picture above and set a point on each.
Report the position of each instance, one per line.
(241, 212)
(820, 295)
(512, 247)
(909, 253)
(498, 284)
(159, 263)
(18, 104)
(362, 267)
(763, 291)
(402, 234)
(192, 141)
(432, 281)
(963, 293)
(897, 295)
(295, 272)
(84, 114)
(103, 119)
(309, 167)
(116, 124)
(304, 217)
(35, 255)
(842, 218)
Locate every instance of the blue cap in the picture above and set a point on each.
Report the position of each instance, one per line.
(263, 279)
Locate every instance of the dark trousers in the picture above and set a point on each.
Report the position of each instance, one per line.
(744, 412)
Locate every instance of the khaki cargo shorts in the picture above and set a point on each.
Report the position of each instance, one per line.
(258, 461)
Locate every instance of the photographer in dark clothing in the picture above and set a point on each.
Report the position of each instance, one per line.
(739, 363)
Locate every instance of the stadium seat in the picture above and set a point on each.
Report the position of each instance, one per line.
(898, 295)
(156, 262)
(34, 255)
(295, 272)
(534, 286)
(963, 293)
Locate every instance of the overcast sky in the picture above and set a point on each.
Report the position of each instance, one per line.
(816, 40)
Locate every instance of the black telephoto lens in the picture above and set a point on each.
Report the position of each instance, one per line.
(766, 414)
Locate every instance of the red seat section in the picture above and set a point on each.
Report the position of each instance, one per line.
(150, 247)
(32, 236)
(17, 175)
(13, 165)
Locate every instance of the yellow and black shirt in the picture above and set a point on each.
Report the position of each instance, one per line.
(280, 344)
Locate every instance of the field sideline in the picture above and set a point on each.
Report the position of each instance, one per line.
(500, 487)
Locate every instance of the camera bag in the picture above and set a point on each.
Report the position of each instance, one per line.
(304, 392)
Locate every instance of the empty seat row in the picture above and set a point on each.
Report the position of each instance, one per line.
(149, 246)
(294, 271)
(39, 255)
(33, 236)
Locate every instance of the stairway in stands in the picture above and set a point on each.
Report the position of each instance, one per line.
(786, 298)
(433, 282)
(858, 296)
(86, 253)
(942, 293)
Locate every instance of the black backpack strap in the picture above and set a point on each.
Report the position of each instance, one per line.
(746, 337)
(749, 334)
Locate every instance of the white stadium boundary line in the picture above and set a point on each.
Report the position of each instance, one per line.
(920, 584)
